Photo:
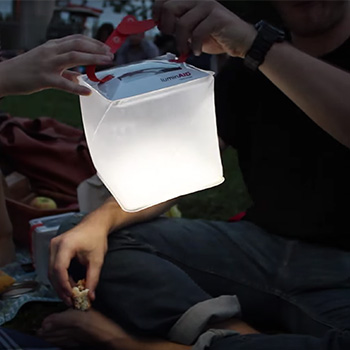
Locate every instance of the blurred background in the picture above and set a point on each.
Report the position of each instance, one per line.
(25, 24)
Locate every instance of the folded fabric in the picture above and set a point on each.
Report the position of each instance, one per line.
(10, 307)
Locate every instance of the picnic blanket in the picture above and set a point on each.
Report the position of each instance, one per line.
(10, 307)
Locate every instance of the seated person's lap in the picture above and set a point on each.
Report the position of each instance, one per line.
(279, 283)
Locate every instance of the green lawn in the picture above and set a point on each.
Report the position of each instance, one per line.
(218, 203)
(50, 103)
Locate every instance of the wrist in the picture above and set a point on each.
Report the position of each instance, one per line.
(109, 216)
(266, 37)
(247, 43)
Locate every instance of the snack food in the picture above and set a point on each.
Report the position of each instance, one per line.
(5, 281)
(80, 296)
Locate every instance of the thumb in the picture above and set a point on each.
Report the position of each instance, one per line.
(92, 277)
(71, 87)
(71, 75)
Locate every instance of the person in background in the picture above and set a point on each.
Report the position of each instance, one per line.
(44, 67)
(283, 270)
(102, 34)
(104, 31)
(136, 48)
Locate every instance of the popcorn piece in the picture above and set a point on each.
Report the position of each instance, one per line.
(80, 296)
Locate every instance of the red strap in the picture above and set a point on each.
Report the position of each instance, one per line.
(181, 59)
(128, 26)
(237, 217)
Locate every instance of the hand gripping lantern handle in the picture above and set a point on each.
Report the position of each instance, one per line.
(128, 26)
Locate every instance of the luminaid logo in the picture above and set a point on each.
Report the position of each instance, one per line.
(177, 76)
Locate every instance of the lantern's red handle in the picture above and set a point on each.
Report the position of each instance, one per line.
(128, 26)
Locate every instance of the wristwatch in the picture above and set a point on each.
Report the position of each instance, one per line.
(267, 36)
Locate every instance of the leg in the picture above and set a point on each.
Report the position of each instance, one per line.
(135, 271)
(281, 284)
(93, 330)
(148, 266)
(265, 264)
(315, 282)
(218, 340)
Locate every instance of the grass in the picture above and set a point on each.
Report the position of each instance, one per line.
(50, 103)
(218, 203)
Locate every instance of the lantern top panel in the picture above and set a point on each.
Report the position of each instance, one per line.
(142, 77)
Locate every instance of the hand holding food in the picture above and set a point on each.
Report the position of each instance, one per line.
(80, 295)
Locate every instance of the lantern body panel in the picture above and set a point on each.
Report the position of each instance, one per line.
(155, 146)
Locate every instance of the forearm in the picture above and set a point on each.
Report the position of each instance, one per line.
(319, 89)
(146, 345)
(111, 216)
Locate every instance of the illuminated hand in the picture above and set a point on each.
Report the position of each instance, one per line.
(88, 243)
(206, 25)
(46, 66)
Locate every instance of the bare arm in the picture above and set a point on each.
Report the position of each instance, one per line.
(321, 90)
(318, 88)
(46, 66)
(120, 219)
(88, 243)
(147, 345)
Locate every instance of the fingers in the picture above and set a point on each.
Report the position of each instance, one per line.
(71, 75)
(78, 37)
(82, 45)
(92, 277)
(76, 58)
(75, 89)
(167, 20)
(185, 27)
(69, 86)
(60, 258)
(200, 34)
(170, 11)
(182, 19)
(157, 9)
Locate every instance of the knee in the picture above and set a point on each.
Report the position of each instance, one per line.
(220, 339)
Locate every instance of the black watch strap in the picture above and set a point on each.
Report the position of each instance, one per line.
(267, 36)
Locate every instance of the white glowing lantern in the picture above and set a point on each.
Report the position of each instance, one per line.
(151, 132)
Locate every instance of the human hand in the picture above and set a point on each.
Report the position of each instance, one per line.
(72, 328)
(46, 66)
(88, 243)
(206, 25)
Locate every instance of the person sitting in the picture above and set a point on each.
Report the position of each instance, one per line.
(45, 67)
(285, 267)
